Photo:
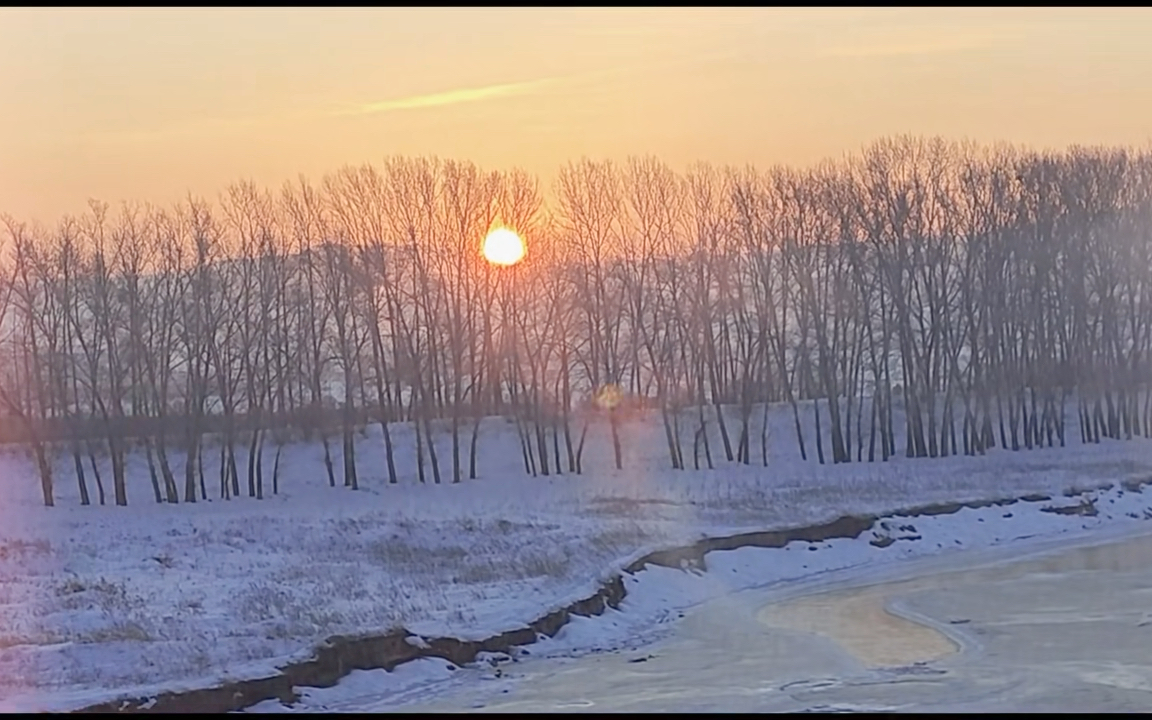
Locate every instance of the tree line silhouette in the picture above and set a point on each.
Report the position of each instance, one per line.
(959, 296)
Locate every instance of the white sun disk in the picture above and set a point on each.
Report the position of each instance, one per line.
(503, 247)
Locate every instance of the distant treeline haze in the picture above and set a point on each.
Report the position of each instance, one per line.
(983, 291)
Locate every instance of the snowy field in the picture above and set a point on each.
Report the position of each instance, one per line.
(1055, 621)
(102, 602)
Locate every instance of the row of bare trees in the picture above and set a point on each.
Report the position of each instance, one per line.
(948, 296)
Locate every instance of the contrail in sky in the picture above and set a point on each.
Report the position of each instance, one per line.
(451, 97)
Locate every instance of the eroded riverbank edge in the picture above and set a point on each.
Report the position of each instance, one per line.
(338, 656)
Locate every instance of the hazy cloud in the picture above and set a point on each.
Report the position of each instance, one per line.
(451, 97)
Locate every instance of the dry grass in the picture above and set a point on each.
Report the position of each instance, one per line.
(17, 549)
(120, 631)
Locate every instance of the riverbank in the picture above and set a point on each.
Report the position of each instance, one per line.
(101, 605)
(725, 625)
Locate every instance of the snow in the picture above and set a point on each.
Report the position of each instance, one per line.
(659, 597)
(1043, 626)
(98, 603)
(408, 679)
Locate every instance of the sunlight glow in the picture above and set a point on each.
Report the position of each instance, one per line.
(609, 396)
(503, 247)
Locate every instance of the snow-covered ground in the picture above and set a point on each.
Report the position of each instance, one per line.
(101, 602)
(1057, 621)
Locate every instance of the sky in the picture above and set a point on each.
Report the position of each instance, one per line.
(153, 104)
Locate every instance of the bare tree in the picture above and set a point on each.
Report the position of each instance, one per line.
(20, 298)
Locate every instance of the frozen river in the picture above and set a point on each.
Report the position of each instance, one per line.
(1068, 630)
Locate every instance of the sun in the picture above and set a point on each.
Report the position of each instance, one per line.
(503, 247)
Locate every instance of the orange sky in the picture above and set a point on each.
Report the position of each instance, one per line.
(151, 104)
